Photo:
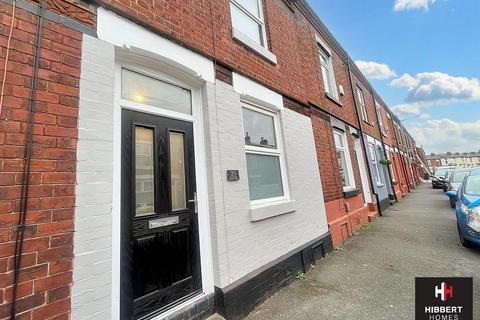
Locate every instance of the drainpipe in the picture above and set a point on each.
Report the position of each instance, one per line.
(409, 156)
(363, 138)
(27, 160)
(401, 159)
(383, 145)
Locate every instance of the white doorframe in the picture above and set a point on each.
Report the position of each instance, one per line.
(200, 172)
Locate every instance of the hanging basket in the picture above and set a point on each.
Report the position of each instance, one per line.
(385, 162)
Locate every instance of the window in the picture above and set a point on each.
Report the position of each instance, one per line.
(144, 167)
(388, 123)
(327, 72)
(343, 158)
(363, 107)
(146, 90)
(392, 167)
(376, 169)
(247, 16)
(265, 165)
(380, 120)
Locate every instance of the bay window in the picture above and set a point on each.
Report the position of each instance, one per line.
(264, 155)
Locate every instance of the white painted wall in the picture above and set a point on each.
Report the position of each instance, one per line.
(92, 273)
(240, 245)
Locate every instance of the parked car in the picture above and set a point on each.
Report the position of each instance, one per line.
(438, 178)
(454, 182)
(468, 209)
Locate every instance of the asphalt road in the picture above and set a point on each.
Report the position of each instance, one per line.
(373, 275)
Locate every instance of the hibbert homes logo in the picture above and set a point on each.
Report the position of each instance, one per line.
(443, 299)
(443, 291)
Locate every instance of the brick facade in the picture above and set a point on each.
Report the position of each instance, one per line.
(204, 26)
(46, 264)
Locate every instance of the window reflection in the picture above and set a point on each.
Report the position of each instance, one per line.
(144, 183)
(177, 170)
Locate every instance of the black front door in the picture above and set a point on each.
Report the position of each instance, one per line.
(160, 258)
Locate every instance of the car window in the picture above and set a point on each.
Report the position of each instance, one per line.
(459, 176)
(440, 172)
(472, 186)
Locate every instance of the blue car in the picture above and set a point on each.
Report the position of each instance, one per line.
(468, 209)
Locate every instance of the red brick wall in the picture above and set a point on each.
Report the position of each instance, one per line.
(327, 158)
(370, 127)
(206, 26)
(47, 260)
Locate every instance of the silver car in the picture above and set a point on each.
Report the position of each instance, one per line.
(455, 181)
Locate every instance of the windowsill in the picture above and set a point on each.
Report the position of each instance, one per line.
(334, 99)
(367, 123)
(384, 134)
(350, 192)
(251, 44)
(379, 184)
(270, 210)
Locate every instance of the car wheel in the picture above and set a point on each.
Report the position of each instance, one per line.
(452, 203)
(463, 241)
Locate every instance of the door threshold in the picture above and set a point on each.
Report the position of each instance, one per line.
(194, 298)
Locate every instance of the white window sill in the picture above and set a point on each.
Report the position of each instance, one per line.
(379, 184)
(240, 36)
(346, 189)
(273, 209)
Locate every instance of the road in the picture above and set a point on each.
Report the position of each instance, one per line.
(373, 275)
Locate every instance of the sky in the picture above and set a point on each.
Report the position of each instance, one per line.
(422, 57)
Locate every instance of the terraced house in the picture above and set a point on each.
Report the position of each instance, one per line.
(173, 159)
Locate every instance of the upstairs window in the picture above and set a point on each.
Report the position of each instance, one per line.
(380, 120)
(387, 124)
(247, 17)
(363, 107)
(327, 71)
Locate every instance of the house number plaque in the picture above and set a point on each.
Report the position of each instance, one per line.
(233, 175)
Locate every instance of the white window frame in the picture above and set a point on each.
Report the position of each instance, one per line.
(278, 152)
(348, 161)
(324, 51)
(260, 48)
(260, 20)
(380, 119)
(373, 154)
(392, 166)
(387, 124)
(363, 107)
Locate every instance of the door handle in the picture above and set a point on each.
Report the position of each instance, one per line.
(194, 201)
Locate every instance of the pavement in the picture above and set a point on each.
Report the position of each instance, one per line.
(373, 275)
